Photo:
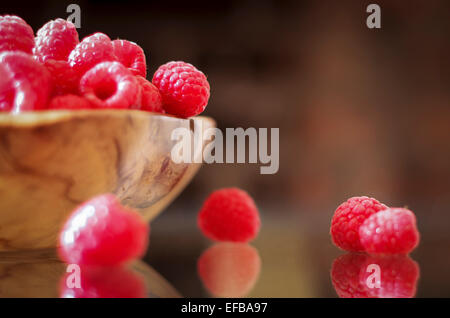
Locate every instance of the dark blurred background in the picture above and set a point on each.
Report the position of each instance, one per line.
(361, 112)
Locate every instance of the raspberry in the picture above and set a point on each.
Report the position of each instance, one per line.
(131, 56)
(28, 83)
(64, 78)
(55, 40)
(104, 282)
(345, 277)
(229, 269)
(15, 34)
(69, 101)
(347, 219)
(229, 215)
(102, 232)
(110, 85)
(398, 276)
(91, 51)
(7, 91)
(184, 89)
(150, 97)
(389, 232)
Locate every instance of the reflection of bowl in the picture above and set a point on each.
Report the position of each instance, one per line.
(39, 273)
(52, 161)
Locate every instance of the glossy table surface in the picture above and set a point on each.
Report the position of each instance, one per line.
(292, 257)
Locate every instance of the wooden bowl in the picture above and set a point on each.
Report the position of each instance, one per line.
(54, 160)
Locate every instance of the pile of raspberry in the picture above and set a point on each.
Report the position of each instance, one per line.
(363, 224)
(54, 70)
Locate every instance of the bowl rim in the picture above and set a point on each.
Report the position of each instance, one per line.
(47, 117)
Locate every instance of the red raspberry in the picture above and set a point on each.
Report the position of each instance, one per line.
(15, 34)
(103, 232)
(110, 85)
(131, 56)
(347, 219)
(104, 282)
(151, 100)
(91, 51)
(184, 89)
(69, 101)
(28, 83)
(389, 232)
(64, 78)
(229, 269)
(55, 40)
(229, 215)
(398, 276)
(7, 90)
(345, 276)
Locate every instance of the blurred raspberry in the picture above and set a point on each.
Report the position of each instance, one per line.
(64, 78)
(347, 219)
(7, 90)
(229, 269)
(55, 40)
(229, 215)
(131, 56)
(15, 34)
(103, 232)
(390, 232)
(110, 85)
(25, 83)
(104, 282)
(69, 102)
(150, 99)
(91, 51)
(184, 89)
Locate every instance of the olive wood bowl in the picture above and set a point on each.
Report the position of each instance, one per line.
(51, 161)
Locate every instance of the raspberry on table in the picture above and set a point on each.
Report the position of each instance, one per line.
(347, 219)
(64, 78)
(398, 276)
(69, 102)
(26, 83)
(55, 40)
(90, 51)
(184, 89)
(150, 99)
(229, 269)
(110, 85)
(229, 215)
(390, 232)
(131, 56)
(102, 232)
(15, 34)
(104, 282)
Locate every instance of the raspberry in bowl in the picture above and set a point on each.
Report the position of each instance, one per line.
(78, 118)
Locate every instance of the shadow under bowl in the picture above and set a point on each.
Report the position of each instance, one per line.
(52, 161)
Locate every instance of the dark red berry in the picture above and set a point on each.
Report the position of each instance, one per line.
(229, 215)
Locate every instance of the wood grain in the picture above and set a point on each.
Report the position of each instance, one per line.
(52, 161)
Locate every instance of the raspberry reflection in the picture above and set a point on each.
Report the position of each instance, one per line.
(229, 269)
(104, 282)
(356, 275)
